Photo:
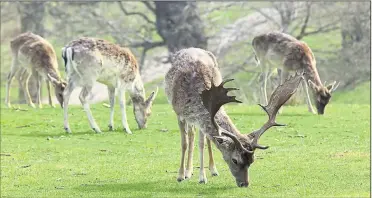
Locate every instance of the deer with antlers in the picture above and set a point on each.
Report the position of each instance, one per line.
(32, 54)
(88, 60)
(291, 55)
(195, 89)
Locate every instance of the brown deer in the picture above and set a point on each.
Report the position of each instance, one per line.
(88, 60)
(291, 54)
(195, 89)
(33, 54)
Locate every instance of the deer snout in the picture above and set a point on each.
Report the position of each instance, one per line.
(320, 109)
(242, 184)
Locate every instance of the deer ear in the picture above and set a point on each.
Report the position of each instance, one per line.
(332, 87)
(64, 84)
(52, 80)
(313, 85)
(223, 140)
(152, 97)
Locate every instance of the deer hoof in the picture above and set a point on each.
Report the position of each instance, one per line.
(97, 130)
(111, 127)
(68, 130)
(203, 181)
(128, 131)
(32, 105)
(179, 179)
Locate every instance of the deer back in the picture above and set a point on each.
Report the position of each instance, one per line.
(36, 52)
(103, 61)
(193, 70)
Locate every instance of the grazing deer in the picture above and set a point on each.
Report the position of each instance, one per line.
(88, 60)
(190, 86)
(33, 54)
(291, 55)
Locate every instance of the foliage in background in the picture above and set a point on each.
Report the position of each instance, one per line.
(337, 32)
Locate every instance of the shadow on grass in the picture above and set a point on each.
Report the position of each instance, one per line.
(183, 188)
(264, 114)
(74, 133)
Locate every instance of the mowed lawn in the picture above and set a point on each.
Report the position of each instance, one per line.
(313, 156)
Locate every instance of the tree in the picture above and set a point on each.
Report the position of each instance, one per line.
(179, 24)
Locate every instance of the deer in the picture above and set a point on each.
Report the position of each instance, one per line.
(89, 60)
(291, 55)
(195, 89)
(32, 54)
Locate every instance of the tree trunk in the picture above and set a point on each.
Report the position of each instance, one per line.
(180, 25)
(31, 18)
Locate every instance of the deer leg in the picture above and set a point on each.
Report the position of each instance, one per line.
(49, 94)
(265, 72)
(308, 100)
(202, 176)
(38, 88)
(191, 135)
(181, 171)
(26, 91)
(11, 75)
(212, 166)
(66, 98)
(123, 111)
(83, 95)
(111, 93)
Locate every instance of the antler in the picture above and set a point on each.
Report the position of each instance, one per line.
(213, 99)
(280, 95)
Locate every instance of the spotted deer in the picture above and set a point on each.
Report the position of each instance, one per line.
(88, 60)
(290, 54)
(32, 54)
(195, 89)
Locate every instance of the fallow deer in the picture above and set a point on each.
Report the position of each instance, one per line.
(291, 54)
(190, 86)
(33, 54)
(88, 60)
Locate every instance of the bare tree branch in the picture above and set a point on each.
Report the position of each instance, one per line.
(135, 13)
(304, 25)
(149, 6)
(267, 17)
(323, 29)
(148, 45)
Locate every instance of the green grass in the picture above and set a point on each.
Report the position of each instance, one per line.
(313, 156)
(360, 94)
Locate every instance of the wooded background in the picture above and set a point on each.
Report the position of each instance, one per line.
(337, 32)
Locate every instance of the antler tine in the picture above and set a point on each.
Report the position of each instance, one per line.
(336, 86)
(280, 95)
(215, 97)
(237, 142)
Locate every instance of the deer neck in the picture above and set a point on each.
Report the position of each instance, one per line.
(224, 121)
(137, 91)
(312, 74)
(53, 73)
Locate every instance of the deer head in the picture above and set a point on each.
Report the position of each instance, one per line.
(59, 87)
(238, 149)
(142, 109)
(322, 94)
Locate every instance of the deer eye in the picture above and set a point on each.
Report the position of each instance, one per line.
(234, 161)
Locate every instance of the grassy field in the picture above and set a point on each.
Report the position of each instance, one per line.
(314, 156)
